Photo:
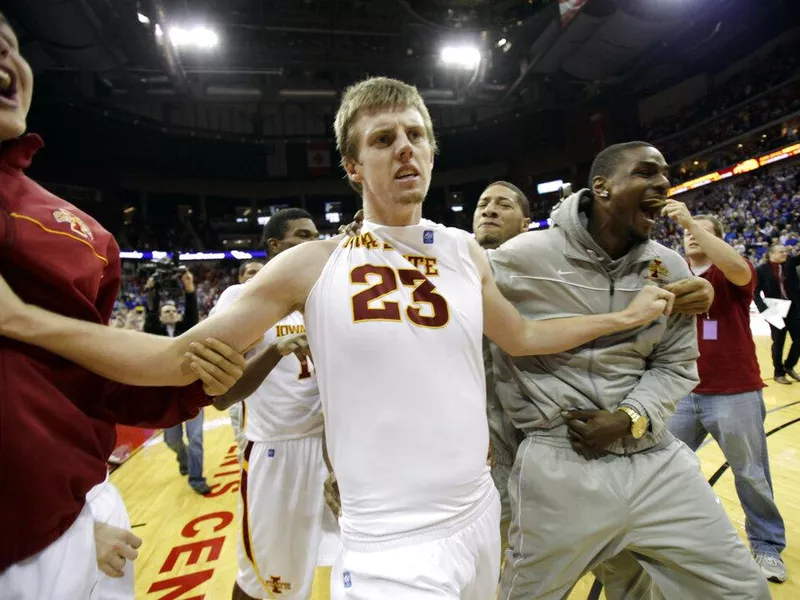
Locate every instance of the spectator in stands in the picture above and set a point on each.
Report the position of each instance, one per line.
(248, 270)
(778, 278)
(728, 402)
(164, 319)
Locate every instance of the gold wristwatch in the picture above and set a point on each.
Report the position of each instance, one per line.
(639, 423)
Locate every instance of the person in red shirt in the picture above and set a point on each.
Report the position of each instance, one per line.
(57, 419)
(728, 403)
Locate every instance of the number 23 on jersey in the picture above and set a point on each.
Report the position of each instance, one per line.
(428, 308)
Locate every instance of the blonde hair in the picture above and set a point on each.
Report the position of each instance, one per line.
(375, 93)
(719, 230)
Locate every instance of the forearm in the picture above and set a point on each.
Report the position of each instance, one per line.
(191, 315)
(120, 355)
(671, 373)
(256, 371)
(722, 255)
(659, 390)
(559, 335)
(154, 407)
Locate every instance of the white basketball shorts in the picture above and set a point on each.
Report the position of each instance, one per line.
(461, 562)
(108, 507)
(281, 507)
(65, 570)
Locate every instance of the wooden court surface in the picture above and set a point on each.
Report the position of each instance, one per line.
(189, 549)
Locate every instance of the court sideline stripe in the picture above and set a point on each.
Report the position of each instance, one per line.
(597, 587)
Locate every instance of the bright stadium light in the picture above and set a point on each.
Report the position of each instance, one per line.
(465, 57)
(197, 37)
(143, 18)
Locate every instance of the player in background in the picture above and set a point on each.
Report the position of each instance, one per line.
(247, 270)
(281, 504)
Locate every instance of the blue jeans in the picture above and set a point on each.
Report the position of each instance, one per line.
(736, 422)
(173, 437)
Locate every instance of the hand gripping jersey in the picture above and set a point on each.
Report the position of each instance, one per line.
(286, 405)
(395, 325)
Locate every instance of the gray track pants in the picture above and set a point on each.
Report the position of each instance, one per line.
(653, 513)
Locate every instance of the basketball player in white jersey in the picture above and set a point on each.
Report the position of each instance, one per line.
(394, 318)
(283, 471)
(247, 270)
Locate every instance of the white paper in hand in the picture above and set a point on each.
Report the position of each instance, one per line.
(776, 312)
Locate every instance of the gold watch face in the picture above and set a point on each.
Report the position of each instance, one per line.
(638, 427)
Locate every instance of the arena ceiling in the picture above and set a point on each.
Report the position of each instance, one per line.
(280, 65)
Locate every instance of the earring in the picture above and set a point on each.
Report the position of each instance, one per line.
(604, 193)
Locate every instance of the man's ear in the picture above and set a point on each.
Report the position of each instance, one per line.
(526, 223)
(351, 168)
(600, 187)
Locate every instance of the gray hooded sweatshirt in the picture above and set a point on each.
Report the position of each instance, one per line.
(562, 272)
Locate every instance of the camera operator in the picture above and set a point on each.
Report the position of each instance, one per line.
(164, 319)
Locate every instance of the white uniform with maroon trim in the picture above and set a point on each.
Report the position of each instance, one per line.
(395, 324)
(283, 472)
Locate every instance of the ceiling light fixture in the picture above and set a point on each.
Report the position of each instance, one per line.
(465, 57)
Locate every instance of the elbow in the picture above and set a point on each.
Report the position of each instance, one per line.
(740, 276)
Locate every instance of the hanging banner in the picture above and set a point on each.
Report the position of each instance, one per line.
(568, 10)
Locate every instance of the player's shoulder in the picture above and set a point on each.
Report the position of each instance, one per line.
(672, 265)
(230, 293)
(304, 263)
(523, 246)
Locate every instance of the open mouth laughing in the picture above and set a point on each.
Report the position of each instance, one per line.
(8, 87)
(651, 208)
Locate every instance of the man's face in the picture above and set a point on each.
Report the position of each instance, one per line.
(298, 231)
(169, 314)
(16, 85)
(690, 245)
(395, 158)
(250, 270)
(779, 255)
(498, 217)
(641, 177)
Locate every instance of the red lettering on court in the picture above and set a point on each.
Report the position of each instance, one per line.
(225, 517)
(182, 584)
(193, 550)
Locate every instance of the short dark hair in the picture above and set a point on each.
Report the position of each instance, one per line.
(243, 266)
(719, 230)
(608, 160)
(279, 222)
(521, 198)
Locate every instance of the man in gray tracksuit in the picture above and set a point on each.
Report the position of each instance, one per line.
(599, 484)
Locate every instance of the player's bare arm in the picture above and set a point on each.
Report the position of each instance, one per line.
(518, 336)
(260, 366)
(137, 358)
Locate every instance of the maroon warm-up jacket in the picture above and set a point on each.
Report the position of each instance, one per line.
(57, 420)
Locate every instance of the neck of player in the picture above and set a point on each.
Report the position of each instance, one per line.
(608, 238)
(392, 214)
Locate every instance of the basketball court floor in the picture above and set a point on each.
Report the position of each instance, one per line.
(189, 549)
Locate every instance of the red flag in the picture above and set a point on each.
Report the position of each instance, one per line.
(319, 158)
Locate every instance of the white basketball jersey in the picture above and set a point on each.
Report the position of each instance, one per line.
(286, 405)
(395, 324)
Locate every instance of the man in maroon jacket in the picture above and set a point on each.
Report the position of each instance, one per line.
(728, 403)
(57, 420)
